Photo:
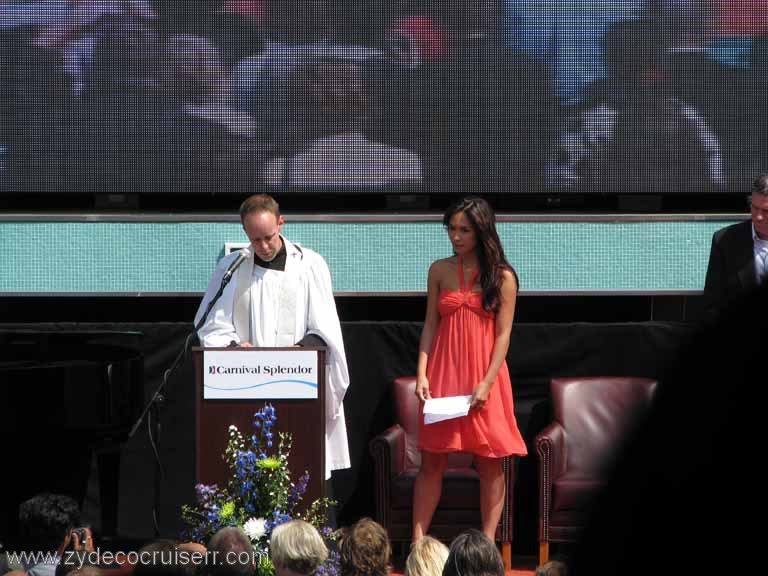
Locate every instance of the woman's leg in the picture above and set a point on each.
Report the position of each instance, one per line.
(492, 489)
(426, 491)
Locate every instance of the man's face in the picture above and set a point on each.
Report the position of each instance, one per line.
(263, 230)
(760, 214)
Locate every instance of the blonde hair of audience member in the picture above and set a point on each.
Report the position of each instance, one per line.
(195, 73)
(427, 558)
(552, 568)
(365, 550)
(297, 549)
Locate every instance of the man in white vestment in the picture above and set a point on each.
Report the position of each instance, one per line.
(281, 295)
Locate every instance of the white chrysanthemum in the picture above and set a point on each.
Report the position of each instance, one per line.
(255, 528)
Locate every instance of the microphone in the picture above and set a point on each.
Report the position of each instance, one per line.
(243, 255)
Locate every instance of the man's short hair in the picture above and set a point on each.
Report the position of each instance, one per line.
(760, 185)
(46, 519)
(297, 546)
(235, 552)
(160, 558)
(259, 203)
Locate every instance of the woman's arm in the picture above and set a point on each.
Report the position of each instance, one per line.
(501, 343)
(428, 332)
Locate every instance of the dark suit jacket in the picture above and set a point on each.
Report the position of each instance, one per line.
(731, 271)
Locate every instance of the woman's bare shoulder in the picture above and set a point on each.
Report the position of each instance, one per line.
(442, 265)
(508, 280)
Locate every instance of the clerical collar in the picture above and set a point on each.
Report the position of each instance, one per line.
(277, 263)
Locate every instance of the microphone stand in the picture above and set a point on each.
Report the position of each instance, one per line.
(157, 402)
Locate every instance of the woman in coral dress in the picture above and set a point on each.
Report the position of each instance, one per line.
(463, 347)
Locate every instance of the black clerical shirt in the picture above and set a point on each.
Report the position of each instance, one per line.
(278, 263)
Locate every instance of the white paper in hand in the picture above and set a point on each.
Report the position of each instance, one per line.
(439, 409)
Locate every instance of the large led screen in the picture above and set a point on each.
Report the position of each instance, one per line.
(507, 97)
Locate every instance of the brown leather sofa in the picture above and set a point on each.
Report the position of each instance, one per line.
(592, 418)
(397, 459)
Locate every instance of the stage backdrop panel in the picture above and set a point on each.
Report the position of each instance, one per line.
(121, 255)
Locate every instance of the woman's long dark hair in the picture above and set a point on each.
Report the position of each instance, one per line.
(490, 252)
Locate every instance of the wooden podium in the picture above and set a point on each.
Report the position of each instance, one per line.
(302, 417)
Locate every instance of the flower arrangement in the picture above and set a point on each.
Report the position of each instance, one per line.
(259, 495)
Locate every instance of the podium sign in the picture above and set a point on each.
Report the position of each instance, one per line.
(279, 374)
(233, 383)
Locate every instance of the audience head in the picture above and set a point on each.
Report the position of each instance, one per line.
(473, 554)
(86, 570)
(234, 551)
(634, 48)
(415, 39)
(469, 20)
(45, 521)
(427, 558)
(194, 71)
(72, 568)
(552, 568)
(297, 549)
(365, 550)
(759, 206)
(161, 558)
(329, 95)
(125, 57)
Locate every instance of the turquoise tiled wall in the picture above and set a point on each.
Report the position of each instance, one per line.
(177, 257)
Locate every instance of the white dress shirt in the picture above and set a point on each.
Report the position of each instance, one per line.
(761, 256)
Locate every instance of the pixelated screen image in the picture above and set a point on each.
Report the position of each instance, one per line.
(369, 96)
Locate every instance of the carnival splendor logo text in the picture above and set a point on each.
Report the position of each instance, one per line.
(266, 369)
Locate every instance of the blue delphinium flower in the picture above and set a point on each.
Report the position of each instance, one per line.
(259, 490)
(298, 490)
(205, 492)
(331, 567)
(278, 518)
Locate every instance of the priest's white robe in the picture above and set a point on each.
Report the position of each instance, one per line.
(278, 308)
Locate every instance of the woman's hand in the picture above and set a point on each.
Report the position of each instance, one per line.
(422, 389)
(480, 395)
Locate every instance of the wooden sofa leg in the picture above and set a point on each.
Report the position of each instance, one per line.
(543, 552)
(506, 554)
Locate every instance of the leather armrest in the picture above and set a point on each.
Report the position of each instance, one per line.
(388, 450)
(550, 447)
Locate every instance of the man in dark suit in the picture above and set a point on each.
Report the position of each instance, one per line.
(738, 260)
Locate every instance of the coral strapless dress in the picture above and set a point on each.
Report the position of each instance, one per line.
(459, 359)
